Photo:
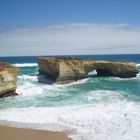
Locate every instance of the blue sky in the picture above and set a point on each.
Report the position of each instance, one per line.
(23, 22)
(46, 12)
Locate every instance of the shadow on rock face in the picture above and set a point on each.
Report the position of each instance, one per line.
(44, 79)
(9, 94)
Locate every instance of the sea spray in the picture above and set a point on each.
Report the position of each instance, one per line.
(26, 64)
(120, 120)
(96, 107)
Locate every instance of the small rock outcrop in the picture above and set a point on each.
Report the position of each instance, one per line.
(64, 70)
(8, 78)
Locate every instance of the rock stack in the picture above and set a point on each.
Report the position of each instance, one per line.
(64, 70)
(8, 79)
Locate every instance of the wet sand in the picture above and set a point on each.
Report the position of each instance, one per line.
(11, 133)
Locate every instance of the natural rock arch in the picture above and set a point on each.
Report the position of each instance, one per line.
(64, 70)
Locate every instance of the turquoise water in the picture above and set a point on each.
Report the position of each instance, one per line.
(86, 106)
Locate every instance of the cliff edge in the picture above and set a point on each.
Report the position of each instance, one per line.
(64, 70)
(8, 78)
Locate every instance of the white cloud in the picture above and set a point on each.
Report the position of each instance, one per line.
(71, 38)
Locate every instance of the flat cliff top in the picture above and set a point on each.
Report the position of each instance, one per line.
(6, 66)
(79, 60)
(69, 69)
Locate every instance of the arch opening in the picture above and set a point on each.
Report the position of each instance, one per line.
(103, 73)
(92, 73)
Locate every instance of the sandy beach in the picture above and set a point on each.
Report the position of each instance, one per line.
(11, 133)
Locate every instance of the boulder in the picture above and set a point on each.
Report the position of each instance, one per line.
(65, 70)
(8, 78)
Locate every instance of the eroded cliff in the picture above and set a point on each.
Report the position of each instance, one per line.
(65, 70)
(8, 78)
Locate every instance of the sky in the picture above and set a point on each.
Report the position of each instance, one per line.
(68, 27)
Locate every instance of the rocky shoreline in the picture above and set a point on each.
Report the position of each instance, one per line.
(65, 70)
(8, 79)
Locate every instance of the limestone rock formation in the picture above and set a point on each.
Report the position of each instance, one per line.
(8, 78)
(65, 70)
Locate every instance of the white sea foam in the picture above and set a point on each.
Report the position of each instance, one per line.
(28, 77)
(92, 73)
(82, 81)
(29, 86)
(115, 121)
(29, 89)
(138, 75)
(138, 65)
(26, 65)
(104, 96)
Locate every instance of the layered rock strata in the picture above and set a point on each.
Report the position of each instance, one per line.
(64, 70)
(8, 78)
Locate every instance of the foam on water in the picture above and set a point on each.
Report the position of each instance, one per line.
(82, 81)
(104, 96)
(119, 120)
(27, 77)
(26, 65)
(35, 64)
(28, 85)
(138, 75)
(29, 89)
(138, 65)
(96, 108)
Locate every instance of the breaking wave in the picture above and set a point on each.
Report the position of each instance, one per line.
(26, 65)
(138, 65)
(99, 107)
(120, 120)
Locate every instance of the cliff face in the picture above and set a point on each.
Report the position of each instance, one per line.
(8, 78)
(65, 70)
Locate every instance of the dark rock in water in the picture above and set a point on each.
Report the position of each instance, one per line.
(9, 94)
(65, 70)
(8, 78)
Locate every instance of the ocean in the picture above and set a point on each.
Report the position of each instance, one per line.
(95, 108)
